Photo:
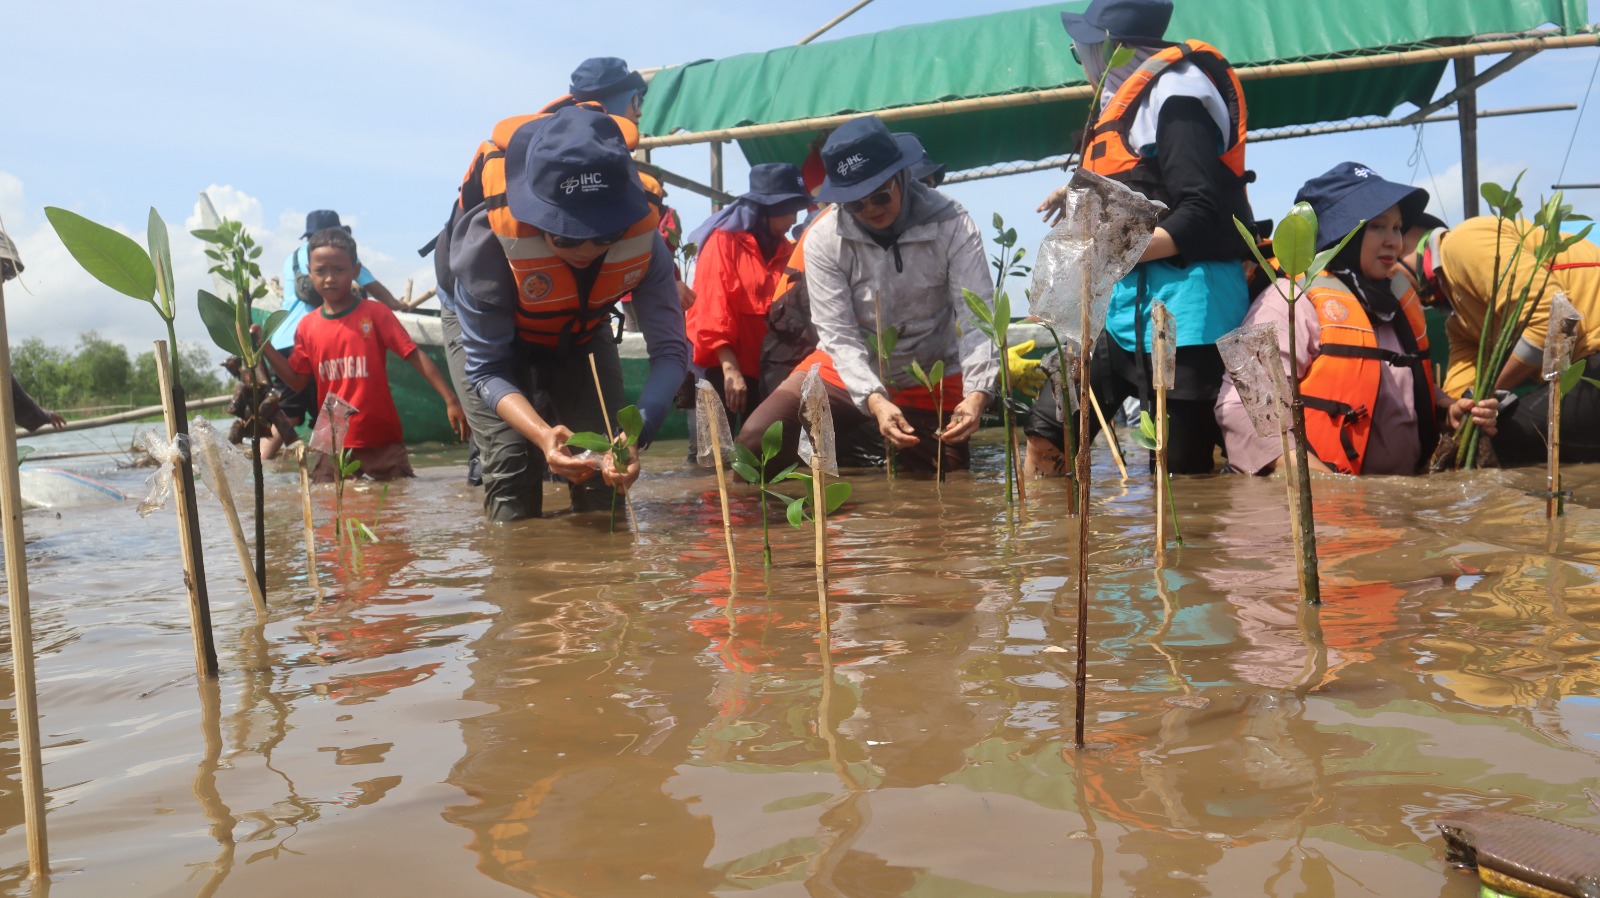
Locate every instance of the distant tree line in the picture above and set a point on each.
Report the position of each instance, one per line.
(99, 372)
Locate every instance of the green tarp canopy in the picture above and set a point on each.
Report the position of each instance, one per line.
(1027, 50)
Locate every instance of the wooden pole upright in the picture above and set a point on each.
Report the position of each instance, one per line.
(610, 434)
(1081, 678)
(194, 568)
(305, 513)
(1555, 505)
(21, 618)
(722, 493)
(220, 485)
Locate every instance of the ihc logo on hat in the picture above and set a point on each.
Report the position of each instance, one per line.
(850, 164)
(1362, 172)
(589, 182)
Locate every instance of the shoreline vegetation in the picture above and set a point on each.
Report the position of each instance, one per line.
(98, 376)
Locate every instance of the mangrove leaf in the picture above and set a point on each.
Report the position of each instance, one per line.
(113, 258)
(218, 317)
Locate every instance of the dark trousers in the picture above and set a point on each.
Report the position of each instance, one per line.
(562, 390)
(1521, 440)
(1116, 374)
(784, 405)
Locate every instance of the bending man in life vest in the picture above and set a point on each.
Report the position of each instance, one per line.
(1371, 406)
(551, 230)
(894, 255)
(1457, 268)
(1172, 127)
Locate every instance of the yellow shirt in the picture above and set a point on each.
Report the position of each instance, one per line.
(1468, 254)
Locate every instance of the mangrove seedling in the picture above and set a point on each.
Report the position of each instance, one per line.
(1295, 242)
(1508, 310)
(801, 509)
(1007, 260)
(233, 253)
(632, 424)
(754, 470)
(116, 261)
(1147, 436)
(932, 381)
(1069, 444)
(882, 343)
(995, 323)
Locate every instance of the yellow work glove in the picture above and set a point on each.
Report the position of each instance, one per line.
(1026, 378)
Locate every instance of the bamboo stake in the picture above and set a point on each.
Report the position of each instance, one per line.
(219, 483)
(1081, 680)
(1161, 474)
(194, 568)
(610, 435)
(1291, 480)
(1554, 505)
(722, 493)
(30, 761)
(1105, 428)
(310, 532)
(820, 525)
(888, 447)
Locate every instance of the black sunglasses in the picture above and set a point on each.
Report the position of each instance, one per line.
(560, 242)
(881, 198)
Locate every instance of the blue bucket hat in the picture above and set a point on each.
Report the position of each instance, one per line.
(601, 77)
(924, 167)
(1128, 21)
(1350, 193)
(322, 218)
(777, 184)
(859, 157)
(570, 174)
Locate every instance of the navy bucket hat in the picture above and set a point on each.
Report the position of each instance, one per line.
(859, 157)
(924, 167)
(1350, 193)
(777, 184)
(322, 218)
(1131, 21)
(601, 77)
(570, 174)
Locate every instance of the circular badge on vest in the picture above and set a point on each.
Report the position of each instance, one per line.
(537, 285)
(1334, 310)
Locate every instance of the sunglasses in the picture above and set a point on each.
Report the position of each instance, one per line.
(881, 198)
(560, 242)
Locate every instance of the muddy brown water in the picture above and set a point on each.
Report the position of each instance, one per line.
(550, 709)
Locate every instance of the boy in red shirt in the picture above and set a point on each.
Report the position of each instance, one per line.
(345, 346)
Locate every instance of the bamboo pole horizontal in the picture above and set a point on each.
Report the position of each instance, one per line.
(1081, 91)
(148, 411)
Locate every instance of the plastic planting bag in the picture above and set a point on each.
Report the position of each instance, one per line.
(1066, 395)
(1102, 234)
(1164, 347)
(332, 424)
(1251, 356)
(710, 419)
(816, 437)
(235, 466)
(167, 453)
(1565, 326)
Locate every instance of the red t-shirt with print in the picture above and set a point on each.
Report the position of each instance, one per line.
(348, 354)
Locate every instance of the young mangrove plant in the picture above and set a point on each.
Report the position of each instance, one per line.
(1295, 243)
(1007, 264)
(632, 424)
(1509, 309)
(754, 470)
(933, 381)
(116, 261)
(882, 343)
(995, 323)
(233, 253)
(800, 509)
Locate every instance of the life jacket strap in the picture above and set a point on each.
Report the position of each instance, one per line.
(1397, 359)
(1350, 414)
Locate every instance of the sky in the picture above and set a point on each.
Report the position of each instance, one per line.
(375, 108)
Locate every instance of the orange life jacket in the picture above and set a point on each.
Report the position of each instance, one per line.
(552, 311)
(1342, 384)
(1109, 153)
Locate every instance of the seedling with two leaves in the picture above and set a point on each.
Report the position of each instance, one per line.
(1145, 435)
(632, 424)
(754, 470)
(931, 381)
(996, 322)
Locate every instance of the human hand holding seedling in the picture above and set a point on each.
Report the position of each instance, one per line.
(619, 465)
(892, 422)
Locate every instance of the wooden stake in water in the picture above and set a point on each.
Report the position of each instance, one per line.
(194, 568)
(1161, 351)
(883, 377)
(1554, 505)
(305, 513)
(219, 485)
(709, 409)
(610, 435)
(30, 762)
(1100, 416)
(1081, 679)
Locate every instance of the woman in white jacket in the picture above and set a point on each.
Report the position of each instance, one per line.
(897, 259)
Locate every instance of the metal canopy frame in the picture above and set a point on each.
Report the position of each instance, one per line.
(1463, 56)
